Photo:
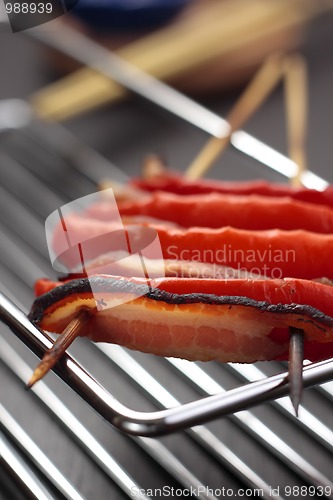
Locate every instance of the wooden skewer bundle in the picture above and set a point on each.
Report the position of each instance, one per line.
(232, 33)
(292, 69)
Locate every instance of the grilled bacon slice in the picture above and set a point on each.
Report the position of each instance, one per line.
(215, 210)
(273, 253)
(240, 320)
(122, 263)
(174, 182)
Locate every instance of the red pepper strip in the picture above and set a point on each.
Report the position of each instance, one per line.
(217, 210)
(175, 183)
(272, 253)
(236, 321)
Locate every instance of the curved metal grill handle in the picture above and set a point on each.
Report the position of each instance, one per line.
(163, 421)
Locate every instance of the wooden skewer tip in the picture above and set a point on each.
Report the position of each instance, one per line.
(296, 354)
(67, 337)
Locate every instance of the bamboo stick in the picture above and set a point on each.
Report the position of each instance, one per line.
(296, 96)
(254, 95)
(293, 71)
(71, 332)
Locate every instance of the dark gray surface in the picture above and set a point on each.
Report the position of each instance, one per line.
(124, 134)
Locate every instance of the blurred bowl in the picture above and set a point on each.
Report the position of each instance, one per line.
(124, 15)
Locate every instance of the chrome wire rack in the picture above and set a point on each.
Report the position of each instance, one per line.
(266, 450)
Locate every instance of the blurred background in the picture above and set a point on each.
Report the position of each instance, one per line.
(208, 50)
(215, 81)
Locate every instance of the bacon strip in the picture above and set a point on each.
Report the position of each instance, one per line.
(226, 320)
(121, 263)
(272, 253)
(173, 182)
(216, 210)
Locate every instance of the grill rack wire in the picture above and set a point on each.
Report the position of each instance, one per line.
(17, 246)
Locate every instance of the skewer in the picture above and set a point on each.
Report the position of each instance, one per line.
(293, 71)
(295, 79)
(254, 95)
(296, 111)
(52, 356)
(296, 354)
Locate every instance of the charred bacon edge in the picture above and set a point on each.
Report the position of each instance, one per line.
(109, 284)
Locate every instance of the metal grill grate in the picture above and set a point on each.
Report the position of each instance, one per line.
(50, 432)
